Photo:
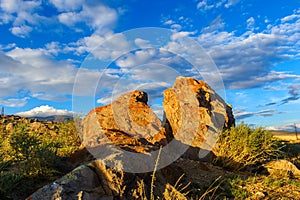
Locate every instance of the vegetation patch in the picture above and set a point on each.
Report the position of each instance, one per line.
(31, 157)
(242, 146)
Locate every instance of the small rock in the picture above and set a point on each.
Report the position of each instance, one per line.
(282, 167)
(258, 195)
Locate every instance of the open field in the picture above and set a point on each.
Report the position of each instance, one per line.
(286, 136)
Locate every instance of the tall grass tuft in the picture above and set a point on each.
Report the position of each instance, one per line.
(153, 174)
(242, 146)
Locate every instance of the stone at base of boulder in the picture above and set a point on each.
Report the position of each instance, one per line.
(81, 183)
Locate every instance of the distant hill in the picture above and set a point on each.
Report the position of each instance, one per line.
(54, 118)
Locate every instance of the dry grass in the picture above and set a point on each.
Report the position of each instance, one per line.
(286, 136)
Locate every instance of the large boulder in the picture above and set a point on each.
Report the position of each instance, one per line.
(195, 115)
(128, 122)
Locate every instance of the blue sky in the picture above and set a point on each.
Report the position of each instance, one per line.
(254, 45)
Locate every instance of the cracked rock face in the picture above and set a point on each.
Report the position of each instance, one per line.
(195, 113)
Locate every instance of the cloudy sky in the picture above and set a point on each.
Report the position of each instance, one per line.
(55, 54)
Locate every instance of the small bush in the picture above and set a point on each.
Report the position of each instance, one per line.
(242, 146)
(28, 155)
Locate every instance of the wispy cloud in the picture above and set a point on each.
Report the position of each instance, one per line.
(206, 5)
(242, 114)
(14, 102)
(270, 104)
(294, 94)
(25, 16)
(67, 5)
(35, 70)
(288, 127)
(245, 61)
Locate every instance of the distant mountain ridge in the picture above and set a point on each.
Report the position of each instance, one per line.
(54, 118)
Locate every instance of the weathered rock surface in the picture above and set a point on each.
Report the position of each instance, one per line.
(81, 183)
(195, 114)
(128, 123)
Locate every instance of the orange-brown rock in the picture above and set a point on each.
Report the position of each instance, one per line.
(128, 123)
(195, 113)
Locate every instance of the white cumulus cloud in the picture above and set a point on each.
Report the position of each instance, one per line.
(98, 17)
(21, 13)
(67, 5)
(21, 31)
(44, 111)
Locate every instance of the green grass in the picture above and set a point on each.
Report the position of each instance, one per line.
(233, 187)
(293, 182)
(243, 146)
(273, 182)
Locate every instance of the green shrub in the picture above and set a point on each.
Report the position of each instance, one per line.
(242, 146)
(67, 139)
(28, 155)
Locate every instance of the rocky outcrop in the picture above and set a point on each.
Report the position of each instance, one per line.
(125, 137)
(128, 123)
(195, 114)
(97, 181)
